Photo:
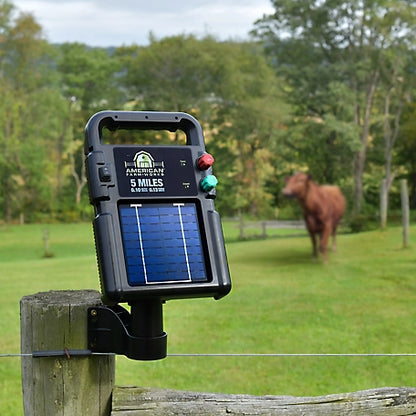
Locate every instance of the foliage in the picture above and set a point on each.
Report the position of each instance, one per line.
(406, 149)
(225, 85)
(327, 88)
(343, 60)
(25, 139)
(173, 74)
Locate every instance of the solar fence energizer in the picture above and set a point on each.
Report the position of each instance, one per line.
(157, 234)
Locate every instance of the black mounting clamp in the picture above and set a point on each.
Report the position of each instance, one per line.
(138, 335)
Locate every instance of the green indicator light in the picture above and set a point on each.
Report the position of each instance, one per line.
(209, 183)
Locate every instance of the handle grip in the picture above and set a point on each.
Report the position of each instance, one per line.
(142, 120)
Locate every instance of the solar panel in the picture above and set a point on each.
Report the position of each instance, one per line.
(162, 243)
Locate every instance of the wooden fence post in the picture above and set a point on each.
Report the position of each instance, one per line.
(62, 385)
(242, 234)
(383, 204)
(263, 230)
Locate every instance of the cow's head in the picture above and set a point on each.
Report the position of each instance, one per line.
(296, 185)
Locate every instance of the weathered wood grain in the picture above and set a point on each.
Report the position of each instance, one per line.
(62, 386)
(136, 401)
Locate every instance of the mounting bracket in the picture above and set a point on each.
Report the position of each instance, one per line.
(138, 335)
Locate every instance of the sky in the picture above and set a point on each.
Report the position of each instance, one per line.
(125, 22)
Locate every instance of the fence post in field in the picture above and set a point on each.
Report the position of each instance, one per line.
(383, 204)
(405, 211)
(57, 377)
(241, 223)
(263, 230)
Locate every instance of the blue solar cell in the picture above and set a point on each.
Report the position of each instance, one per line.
(162, 243)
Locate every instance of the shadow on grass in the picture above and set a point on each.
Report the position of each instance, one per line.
(275, 255)
(288, 257)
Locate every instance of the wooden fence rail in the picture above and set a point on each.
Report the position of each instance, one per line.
(136, 401)
(267, 225)
(65, 385)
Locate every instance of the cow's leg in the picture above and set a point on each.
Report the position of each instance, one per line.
(324, 241)
(313, 239)
(334, 243)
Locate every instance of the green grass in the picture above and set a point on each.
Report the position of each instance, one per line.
(282, 301)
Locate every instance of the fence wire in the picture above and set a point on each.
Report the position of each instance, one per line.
(277, 355)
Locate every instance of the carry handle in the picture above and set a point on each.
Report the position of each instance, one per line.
(142, 120)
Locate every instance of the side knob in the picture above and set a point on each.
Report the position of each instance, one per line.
(209, 183)
(205, 161)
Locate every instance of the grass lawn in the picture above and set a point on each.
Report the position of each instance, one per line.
(282, 301)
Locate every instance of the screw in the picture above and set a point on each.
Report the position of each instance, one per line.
(93, 312)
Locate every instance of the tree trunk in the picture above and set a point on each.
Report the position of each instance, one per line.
(6, 180)
(390, 138)
(383, 204)
(359, 162)
(361, 154)
(7, 198)
(80, 179)
(405, 211)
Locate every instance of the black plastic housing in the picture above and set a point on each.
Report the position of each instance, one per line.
(165, 176)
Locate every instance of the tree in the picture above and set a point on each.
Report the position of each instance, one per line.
(87, 79)
(247, 118)
(23, 144)
(406, 149)
(231, 89)
(321, 42)
(398, 78)
(175, 73)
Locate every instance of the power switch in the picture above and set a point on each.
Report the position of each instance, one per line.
(105, 173)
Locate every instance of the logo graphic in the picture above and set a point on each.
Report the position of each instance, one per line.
(146, 174)
(143, 160)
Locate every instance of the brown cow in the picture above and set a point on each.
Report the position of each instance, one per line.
(323, 207)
